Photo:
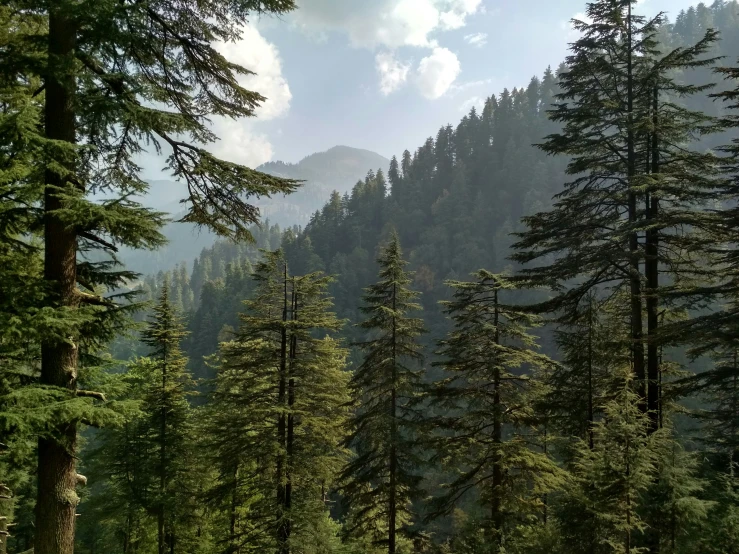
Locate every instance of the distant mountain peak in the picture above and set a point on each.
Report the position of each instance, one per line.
(343, 156)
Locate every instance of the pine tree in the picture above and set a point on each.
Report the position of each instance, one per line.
(610, 479)
(100, 81)
(383, 478)
(486, 399)
(638, 182)
(278, 411)
(169, 423)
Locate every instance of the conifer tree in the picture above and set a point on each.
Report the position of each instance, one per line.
(169, 420)
(486, 398)
(99, 82)
(383, 478)
(638, 184)
(278, 412)
(610, 479)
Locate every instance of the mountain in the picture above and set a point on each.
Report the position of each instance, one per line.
(336, 169)
(323, 172)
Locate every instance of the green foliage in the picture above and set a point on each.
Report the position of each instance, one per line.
(278, 414)
(382, 479)
(485, 401)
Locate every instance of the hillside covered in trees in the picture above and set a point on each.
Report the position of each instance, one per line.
(521, 337)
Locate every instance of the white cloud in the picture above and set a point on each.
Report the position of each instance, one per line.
(476, 101)
(256, 54)
(436, 73)
(470, 84)
(388, 23)
(477, 39)
(392, 24)
(240, 141)
(393, 73)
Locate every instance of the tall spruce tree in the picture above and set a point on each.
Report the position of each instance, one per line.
(640, 190)
(98, 81)
(169, 424)
(279, 411)
(486, 399)
(382, 479)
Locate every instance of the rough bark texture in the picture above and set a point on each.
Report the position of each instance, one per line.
(497, 515)
(393, 507)
(57, 499)
(637, 329)
(282, 534)
(652, 277)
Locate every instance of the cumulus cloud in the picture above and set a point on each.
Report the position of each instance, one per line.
(256, 54)
(475, 101)
(240, 141)
(477, 39)
(393, 73)
(436, 73)
(392, 24)
(388, 23)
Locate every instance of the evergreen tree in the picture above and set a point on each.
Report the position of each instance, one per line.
(170, 427)
(638, 184)
(100, 81)
(383, 478)
(279, 411)
(487, 398)
(610, 479)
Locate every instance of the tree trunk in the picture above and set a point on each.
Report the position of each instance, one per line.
(637, 332)
(161, 520)
(652, 277)
(3, 534)
(393, 508)
(57, 499)
(234, 503)
(591, 393)
(282, 429)
(496, 509)
(290, 425)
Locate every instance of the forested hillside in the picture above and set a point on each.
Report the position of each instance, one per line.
(521, 337)
(336, 169)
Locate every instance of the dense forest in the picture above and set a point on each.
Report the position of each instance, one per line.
(522, 337)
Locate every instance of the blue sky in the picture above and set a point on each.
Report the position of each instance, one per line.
(385, 74)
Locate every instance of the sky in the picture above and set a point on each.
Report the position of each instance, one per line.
(386, 74)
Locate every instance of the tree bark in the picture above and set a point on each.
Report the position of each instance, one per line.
(652, 278)
(57, 499)
(393, 501)
(496, 515)
(282, 428)
(637, 328)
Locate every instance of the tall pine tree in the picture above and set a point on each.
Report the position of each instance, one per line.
(486, 399)
(100, 81)
(383, 478)
(278, 412)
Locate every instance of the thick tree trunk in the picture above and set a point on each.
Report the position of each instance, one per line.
(652, 277)
(591, 392)
(57, 477)
(291, 425)
(496, 507)
(282, 429)
(393, 500)
(637, 328)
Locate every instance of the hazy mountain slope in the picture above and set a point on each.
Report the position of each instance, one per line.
(338, 168)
